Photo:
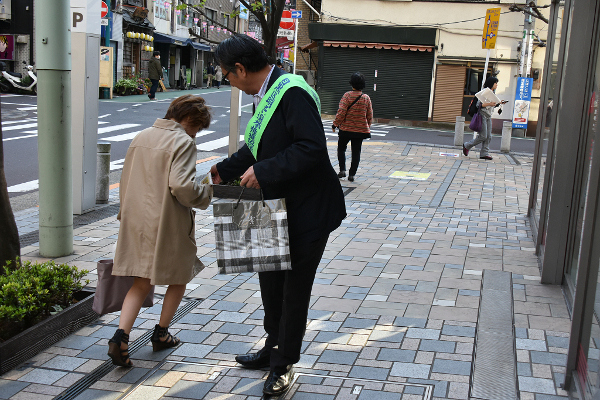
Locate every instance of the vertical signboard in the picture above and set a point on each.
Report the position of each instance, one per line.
(490, 28)
(522, 103)
(106, 68)
(7, 47)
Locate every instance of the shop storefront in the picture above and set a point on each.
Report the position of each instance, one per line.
(564, 204)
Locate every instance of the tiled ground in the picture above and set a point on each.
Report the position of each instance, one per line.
(395, 300)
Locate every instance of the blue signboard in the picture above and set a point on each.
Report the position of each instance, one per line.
(296, 14)
(522, 103)
(243, 12)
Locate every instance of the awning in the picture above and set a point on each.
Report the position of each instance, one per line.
(388, 46)
(199, 46)
(283, 42)
(163, 38)
(309, 46)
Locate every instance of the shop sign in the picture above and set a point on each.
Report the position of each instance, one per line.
(7, 47)
(522, 103)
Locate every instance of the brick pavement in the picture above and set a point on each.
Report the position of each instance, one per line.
(394, 306)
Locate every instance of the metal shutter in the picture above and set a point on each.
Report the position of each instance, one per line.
(338, 64)
(448, 93)
(403, 84)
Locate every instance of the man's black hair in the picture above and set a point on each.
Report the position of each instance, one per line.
(357, 80)
(489, 82)
(156, 53)
(241, 49)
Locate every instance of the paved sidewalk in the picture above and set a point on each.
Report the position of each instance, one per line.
(395, 303)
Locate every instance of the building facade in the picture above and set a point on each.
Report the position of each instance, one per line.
(564, 203)
(426, 60)
(17, 29)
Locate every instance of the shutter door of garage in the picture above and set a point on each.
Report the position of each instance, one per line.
(448, 93)
(338, 65)
(403, 84)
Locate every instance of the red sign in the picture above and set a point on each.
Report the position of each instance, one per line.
(286, 20)
(104, 11)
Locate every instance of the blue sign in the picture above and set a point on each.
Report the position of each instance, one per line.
(522, 103)
(297, 14)
(243, 12)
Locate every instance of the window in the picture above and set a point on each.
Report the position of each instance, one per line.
(210, 15)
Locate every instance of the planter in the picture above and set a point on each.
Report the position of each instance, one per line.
(127, 92)
(39, 337)
(233, 192)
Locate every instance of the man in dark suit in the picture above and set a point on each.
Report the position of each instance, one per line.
(292, 163)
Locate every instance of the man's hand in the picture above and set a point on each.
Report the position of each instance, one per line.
(333, 128)
(249, 179)
(214, 173)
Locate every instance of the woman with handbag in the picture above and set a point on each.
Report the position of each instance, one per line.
(156, 242)
(485, 111)
(353, 118)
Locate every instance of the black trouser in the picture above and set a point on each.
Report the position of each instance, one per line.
(286, 298)
(356, 147)
(153, 88)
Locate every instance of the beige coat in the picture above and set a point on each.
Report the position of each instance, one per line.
(158, 188)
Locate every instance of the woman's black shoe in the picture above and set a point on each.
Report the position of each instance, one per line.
(119, 357)
(160, 332)
(342, 174)
(351, 178)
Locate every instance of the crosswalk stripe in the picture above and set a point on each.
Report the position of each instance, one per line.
(116, 128)
(14, 128)
(28, 120)
(24, 187)
(376, 130)
(122, 138)
(215, 144)
(27, 108)
(18, 137)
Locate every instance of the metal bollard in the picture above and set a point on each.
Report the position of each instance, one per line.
(459, 131)
(506, 136)
(102, 171)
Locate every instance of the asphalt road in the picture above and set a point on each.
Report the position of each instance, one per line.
(121, 118)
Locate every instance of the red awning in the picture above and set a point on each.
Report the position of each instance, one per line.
(283, 42)
(309, 46)
(389, 46)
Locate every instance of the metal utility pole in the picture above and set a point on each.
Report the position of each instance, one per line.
(527, 44)
(235, 111)
(53, 47)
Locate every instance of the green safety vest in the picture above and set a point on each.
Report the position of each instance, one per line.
(268, 104)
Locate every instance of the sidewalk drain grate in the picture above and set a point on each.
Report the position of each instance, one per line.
(97, 374)
(494, 375)
(252, 381)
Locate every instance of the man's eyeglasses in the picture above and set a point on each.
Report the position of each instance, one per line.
(225, 77)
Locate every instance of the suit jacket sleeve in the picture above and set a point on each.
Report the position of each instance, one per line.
(308, 148)
(233, 167)
(182, 178)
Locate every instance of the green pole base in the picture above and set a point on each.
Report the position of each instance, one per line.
(56, 241)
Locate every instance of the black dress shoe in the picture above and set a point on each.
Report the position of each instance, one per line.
(258, 360)
(277, 384)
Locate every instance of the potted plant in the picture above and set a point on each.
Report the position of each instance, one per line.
(40, 304)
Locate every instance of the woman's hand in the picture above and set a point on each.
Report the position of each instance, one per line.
(333, 128)
(249, 179)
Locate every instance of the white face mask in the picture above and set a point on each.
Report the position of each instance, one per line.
(158, 57)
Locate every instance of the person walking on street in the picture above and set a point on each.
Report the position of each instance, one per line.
(353, 118)
(219, 76)
(156, 242)
(485, 136)
(286, 156)
(154, 74)
(210, 73)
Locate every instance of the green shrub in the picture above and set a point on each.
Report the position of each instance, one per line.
(30, 292)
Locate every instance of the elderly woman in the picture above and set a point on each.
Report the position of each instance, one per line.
(353, 118)
(156, 242)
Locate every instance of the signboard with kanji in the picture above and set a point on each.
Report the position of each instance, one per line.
(490, 29)
(522, 103)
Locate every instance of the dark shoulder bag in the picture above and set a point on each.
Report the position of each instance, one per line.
(348, 109)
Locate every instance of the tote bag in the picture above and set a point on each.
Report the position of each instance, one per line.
(252, 236)
(111, 290)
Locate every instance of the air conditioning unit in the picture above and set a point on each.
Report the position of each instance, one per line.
(308, 76)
